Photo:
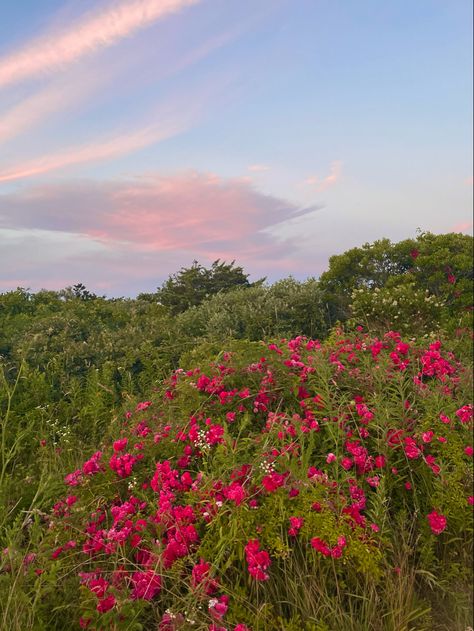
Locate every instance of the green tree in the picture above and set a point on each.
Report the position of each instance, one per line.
(191, 285)
(438, 264)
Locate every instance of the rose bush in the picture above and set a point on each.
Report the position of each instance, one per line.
(289, 485)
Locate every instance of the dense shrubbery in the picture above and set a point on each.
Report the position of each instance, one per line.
(291, 485)
(294, 486)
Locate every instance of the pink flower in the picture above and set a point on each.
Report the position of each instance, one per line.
(322, 547)
(142, 406)
(412, 450)
(427, 437)
(200, 576)
(235, 492)
(258, 561)
(119, 445)
(346, 463)
(273, 481)
(218, 606)
(330, 458)
(380, 462)
(374, 481)
(468, 450)
(146, 585)
(92, 466)
(296, 524)
(106, 604)
(464, 414)
(437, 522)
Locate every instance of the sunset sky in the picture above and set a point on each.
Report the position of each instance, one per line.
(139, 135)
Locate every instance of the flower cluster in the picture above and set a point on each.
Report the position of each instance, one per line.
(283, 456)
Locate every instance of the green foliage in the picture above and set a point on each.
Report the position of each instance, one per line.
(439, 265)
(72, 362)
(190, 286)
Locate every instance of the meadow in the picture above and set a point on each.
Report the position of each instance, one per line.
(227, 455)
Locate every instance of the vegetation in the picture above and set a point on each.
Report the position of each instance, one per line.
(164, 468)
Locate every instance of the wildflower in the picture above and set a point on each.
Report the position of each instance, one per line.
(119, 445)
(427, 437)
(106, 604)
(200, 576)
(142, 406)
(273, 481)
(464, 414)
(373, 481)
(437, 522)
(346, 463)
(412, 450)
(296, 524)
(146, 585)
(258, 561)
(235, 492)
(319, 545)
(380, 462)
(218, 606)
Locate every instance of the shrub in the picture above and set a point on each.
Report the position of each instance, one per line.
(293, 485)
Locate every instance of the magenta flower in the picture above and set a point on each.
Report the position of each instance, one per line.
(437, 522)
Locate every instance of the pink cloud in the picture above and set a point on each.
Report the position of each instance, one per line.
(462, 226)
(189, 211)
(319, 184)
(75, 88)
(126, 233)
(95, 31)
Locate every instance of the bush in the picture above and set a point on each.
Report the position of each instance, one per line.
(294, 485)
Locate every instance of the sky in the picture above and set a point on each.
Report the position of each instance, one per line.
(139, 135)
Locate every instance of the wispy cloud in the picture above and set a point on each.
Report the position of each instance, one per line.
(118, 145)
(322, 184)
(258, 168)
(95, 31)
(462, 226)
(71, 90)
(47, 101)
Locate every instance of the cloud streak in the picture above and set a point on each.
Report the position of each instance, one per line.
(45, 102)
(93, 152)
(323, 184)
(94, 32)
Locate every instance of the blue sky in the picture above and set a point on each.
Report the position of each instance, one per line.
(139, 135)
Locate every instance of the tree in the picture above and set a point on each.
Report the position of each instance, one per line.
(192, 285)
(439, 264)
